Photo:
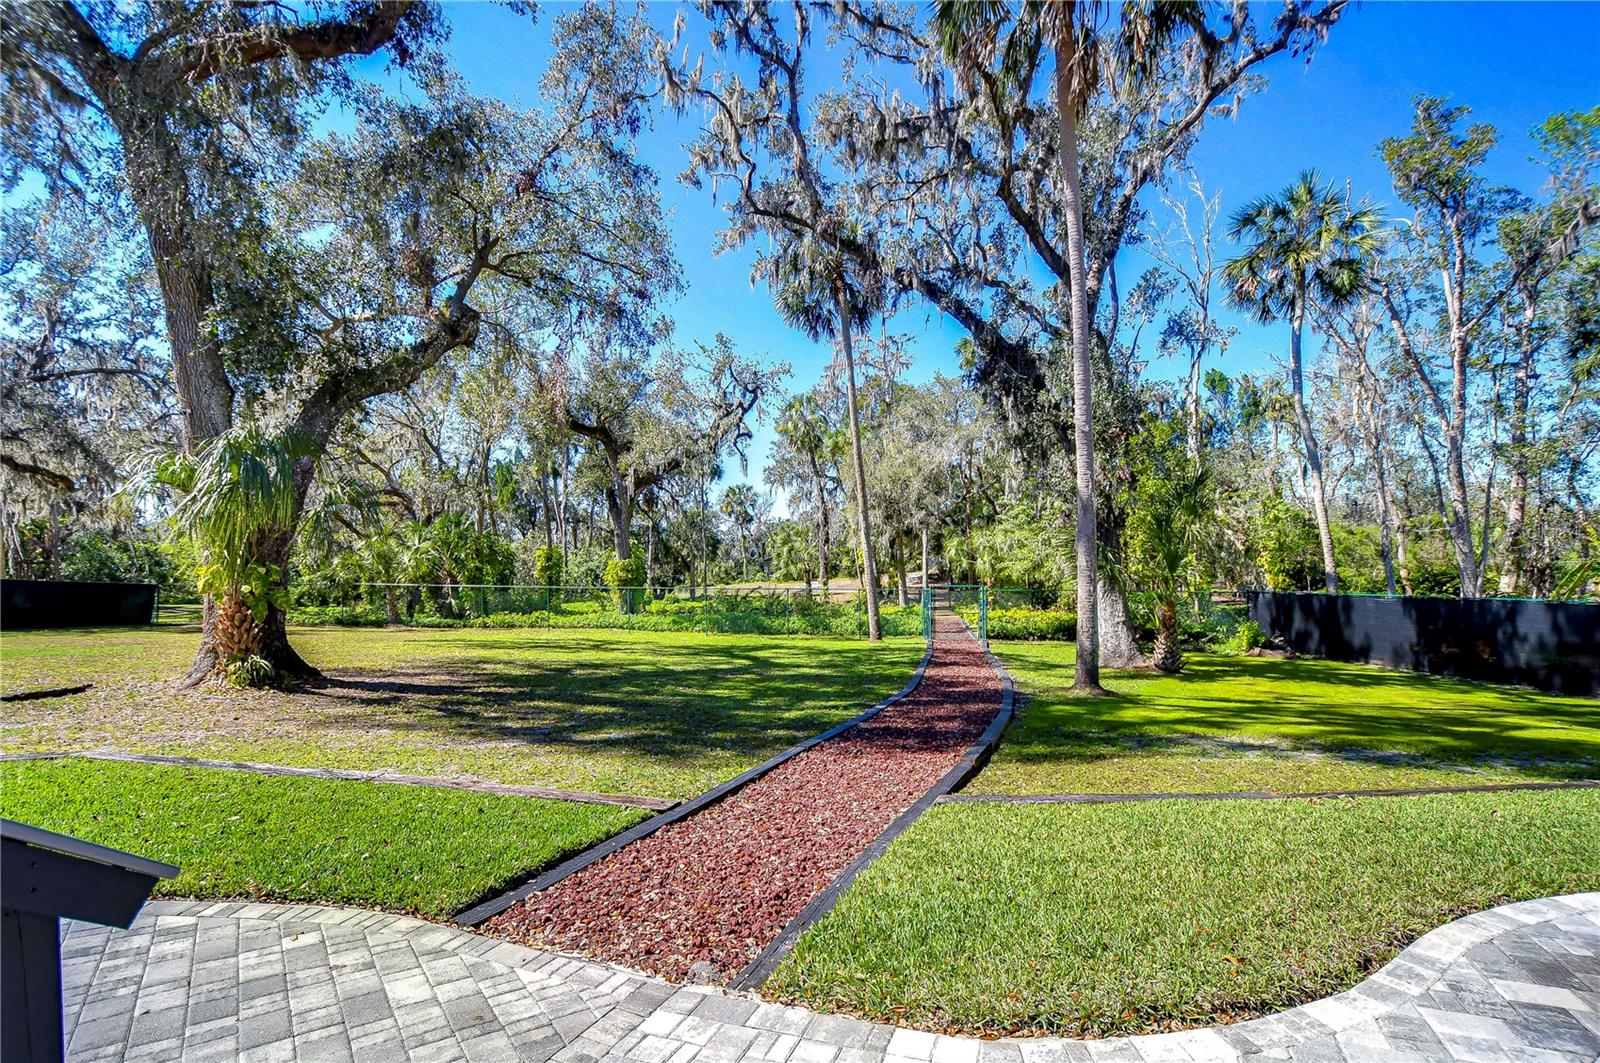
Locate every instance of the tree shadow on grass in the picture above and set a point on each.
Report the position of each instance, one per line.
(680, 704)
(1328, 707)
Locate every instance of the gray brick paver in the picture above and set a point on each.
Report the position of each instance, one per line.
(199, 981)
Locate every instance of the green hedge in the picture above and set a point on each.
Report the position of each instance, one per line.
(730, 614)
(1026, 624)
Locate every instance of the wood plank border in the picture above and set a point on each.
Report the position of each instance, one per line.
(1256, 795)
(441, 782)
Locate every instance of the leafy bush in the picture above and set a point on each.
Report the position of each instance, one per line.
(249, 670)
(97, 557)
(1246, 637)
(586, 566)
(621, 577)
(364, 615)
(1290, 553)
(548, 562)
(1026, 624)
(748, 614)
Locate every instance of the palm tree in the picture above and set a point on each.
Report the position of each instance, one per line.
(1169, 522)
(1307, 243)
(818, 293)
(804, 424)
(739, 506)
(382, 556)
(985, 34)
(239, 495)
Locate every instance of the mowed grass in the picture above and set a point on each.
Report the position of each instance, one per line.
(1109, 919)
(239, 834)
(1285, 726)
(645, 713)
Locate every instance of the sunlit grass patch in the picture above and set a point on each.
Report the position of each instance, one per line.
(1106, 919)
(239, 834)
(1285, 726)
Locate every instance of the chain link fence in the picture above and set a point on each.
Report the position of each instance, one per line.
(742, 609)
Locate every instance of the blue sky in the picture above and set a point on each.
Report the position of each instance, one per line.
(1513, 63)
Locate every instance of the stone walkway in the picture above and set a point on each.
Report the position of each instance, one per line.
(257, 982)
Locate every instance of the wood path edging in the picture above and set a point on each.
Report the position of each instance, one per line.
(488, 909)
(1256, 795)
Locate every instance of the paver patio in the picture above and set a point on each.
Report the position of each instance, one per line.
(196, 980)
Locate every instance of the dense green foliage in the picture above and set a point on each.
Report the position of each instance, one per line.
(1024, 623)
(751, 613)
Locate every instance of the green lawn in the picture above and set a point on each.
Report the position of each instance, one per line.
(242, 835)
(1287, 726)
(1104, 919)
(645, 713)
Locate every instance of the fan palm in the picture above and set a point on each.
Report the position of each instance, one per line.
(1089, 43)
(1307, 243)
(1169, 532)
(239, 496)
(382, 557)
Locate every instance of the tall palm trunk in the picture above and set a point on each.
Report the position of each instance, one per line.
(822, 534)
(1168, 651)
(1308, 440)
(869, 557)
(1087, 675)
(898, 549)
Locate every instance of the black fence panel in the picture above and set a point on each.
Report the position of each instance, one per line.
(1549, 645)
(37, 603)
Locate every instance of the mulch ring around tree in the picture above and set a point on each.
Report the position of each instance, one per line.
(717, 887)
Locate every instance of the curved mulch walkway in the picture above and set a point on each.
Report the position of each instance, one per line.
(717, 887)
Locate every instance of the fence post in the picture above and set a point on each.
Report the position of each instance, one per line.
(983, 614)
(927, 611)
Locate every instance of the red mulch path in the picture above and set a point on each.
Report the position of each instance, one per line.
(723, 883)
